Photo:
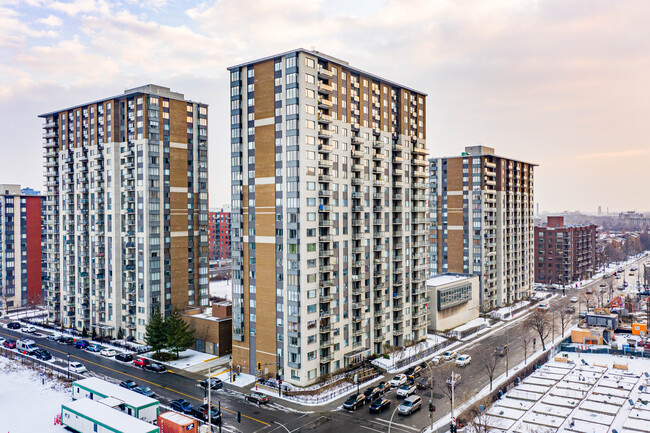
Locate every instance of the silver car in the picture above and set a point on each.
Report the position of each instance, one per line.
(410, 405)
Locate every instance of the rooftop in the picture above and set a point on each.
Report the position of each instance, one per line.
(481, 151)
(447, 278)
(106, 415)
(111, 390)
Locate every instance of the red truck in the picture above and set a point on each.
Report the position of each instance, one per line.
(174, 422)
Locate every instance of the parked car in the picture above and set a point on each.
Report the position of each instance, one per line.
(82, 344)
(574, 299)
(108, 352)
(258, 397)
(95, 348)
(590, 290)
(410, 405)
(124, 357)
(463, 360)
(354, 401)
(13, 325)
(383, 387)
(30, 329)
(397, 381)
(2, 340)
(437, 360)
(78, 367)
(9, 344)
(43, 355)
(158, 368)
(423, 383)
(372, 393)
(409, 371)
(54, 337)
(406, 390)
(379, 405)
(501, 350)
(144, 390)
(27, 346)
(65, 340)
(141, 362)
(182, 406)
(415, 372)
(449, 355)
(202, 413)
(215, 383)
(571, 309)
(128, 384)
(543, 306)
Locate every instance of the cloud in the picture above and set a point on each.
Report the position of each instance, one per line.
(79, 6)
(51, 20)
(615, 154)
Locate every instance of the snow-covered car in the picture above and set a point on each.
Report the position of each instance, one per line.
(463, 360)
(78, 367)
(29, 329)
(437, 360)
(398, 381)
(108, 352)
(449, 355)
(574, 299)
(406, 390)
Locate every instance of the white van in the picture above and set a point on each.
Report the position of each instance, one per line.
(543, 306)
(28, 346)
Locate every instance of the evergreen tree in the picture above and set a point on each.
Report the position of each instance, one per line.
(156, 332)
(179, 334)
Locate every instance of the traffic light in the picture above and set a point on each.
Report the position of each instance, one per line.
(452, 428)
(259, 366)
(238, 416)
(432, 408)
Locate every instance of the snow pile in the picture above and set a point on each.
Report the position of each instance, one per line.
(388, 364)
(221, 288)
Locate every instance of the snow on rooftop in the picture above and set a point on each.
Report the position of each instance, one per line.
(442, 279)
(111, 390)
(108, 416)
(176, 417)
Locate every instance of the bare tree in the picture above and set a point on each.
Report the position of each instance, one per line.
(562, 311)
(526, 340)
(441, 384)
(478, 417)
(539, 322)
(488, 363)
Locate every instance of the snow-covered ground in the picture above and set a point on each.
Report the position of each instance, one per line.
(388, 363)
(187, 358)
(241, 379)
(222, 288)
(29, 405)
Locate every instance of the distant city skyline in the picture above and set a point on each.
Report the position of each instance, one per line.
(559, 84)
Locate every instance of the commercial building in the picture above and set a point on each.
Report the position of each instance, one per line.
(219, 233)
(481, 213)
(564, 253)
(21, 277)
(212, 327)
(126, 210)
(453, 300)
(328, 215)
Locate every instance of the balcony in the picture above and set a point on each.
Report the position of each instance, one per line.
(324, 73)
(325, 103)
(324, 89)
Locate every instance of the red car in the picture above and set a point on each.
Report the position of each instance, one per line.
(141, 362)
(10, 344)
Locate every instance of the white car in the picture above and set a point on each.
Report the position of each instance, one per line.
(397, 381)
(108, 352)
(437, 360)
(574, 299)
(29, 329)
(406, 390)
(449, 355)
(78, 367)
(463, 360)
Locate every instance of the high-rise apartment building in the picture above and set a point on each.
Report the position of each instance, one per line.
(126, 209)
(564, 254)
(219, 233)
(21, 278)
(481, 212)
(328, 215)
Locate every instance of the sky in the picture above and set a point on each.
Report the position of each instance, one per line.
(560, 83)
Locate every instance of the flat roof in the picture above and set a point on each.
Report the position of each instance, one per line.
(331, 59)
(108, 389)
(483, 154)
(447, 278)
(100, 413)
(176, 417)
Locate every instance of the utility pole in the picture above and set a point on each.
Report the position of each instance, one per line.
(507, 351)
(209, 399)
(429, 365)
(453, 384)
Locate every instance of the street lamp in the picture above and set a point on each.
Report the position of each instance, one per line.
(390, 424)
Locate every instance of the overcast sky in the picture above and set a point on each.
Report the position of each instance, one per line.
(561, 83)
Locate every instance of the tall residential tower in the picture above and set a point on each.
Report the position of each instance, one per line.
(126, 210)
(481, 211)
(328, 215)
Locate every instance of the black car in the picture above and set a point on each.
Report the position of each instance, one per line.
(409, 372)
(43, 354)
(13, 325)
(423, 383)
(124, 357)
(65, 340)
(215, 383)
(372, 393)
(379, 405)
(158, 368)
(128, 384)
(182, 406)
(202, 413)
(383, 386)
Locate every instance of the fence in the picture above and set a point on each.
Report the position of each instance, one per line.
(637, 352)
(421, 355)
(40, 365)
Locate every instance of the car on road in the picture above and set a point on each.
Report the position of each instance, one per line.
(29, 329)
(410, 405)
(13, 325)
(415, 372)
(397, 381)
(406, 390)
(574, 299)
(449, 355)
(82, 344)
(590, 290)
(144, 390)
(95, 348)
(65, 340)
(258, 397)
(78, 367)
(155, 367)
(54, 337)
(141, 362)
(543, 306)
(124, 357)
(501, 350)
(372, 393)
(9, 344)
(463, 360)
(26, 346)
(182, 406)
(570, 309)
(202, 413)
(354, 401)
(108, 352)
(437, 360)
(43, 355)
(379, 405)
(215, 383)
(423, 383)
(2, 340)
(128, 384)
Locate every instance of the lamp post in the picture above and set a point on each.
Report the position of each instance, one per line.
(390, 424)
(453, 384)
(68, 366)
(285, 427)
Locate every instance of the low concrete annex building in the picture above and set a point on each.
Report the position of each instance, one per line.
(454, 300)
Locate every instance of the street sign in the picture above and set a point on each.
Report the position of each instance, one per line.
(205, 400)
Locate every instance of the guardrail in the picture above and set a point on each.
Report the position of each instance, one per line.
(40, 365)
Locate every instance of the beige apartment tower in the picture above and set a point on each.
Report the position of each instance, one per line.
(329, 229)
(126, 210)
(481, 213)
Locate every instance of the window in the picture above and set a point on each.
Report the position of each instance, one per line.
(310, 62)
(311, 79)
